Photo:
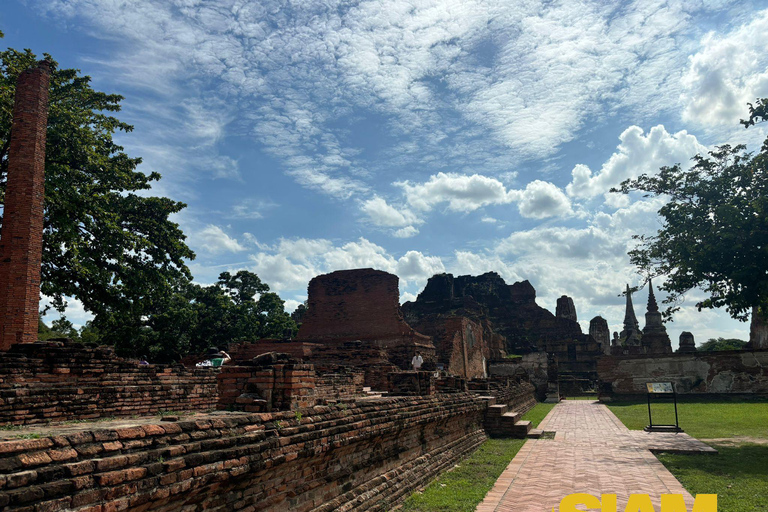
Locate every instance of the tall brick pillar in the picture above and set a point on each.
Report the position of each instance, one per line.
(21, 242)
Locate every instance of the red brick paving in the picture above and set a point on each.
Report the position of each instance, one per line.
(594, 453)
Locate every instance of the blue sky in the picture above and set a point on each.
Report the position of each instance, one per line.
(417, 137)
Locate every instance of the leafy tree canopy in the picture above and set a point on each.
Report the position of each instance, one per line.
(237, 308)
(103, 243)
(714, 233)
(717, 344)
(113, 247)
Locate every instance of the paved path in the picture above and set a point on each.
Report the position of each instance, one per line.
(593, 452)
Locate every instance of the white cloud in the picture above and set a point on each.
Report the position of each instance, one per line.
(380, 213)
(289, 265)
(251, 209)
(726, 73)
(415, 266)
(489, 220)
(471, 82)
(214, 240)
(541, 199)
(291, 305)
(637, 153)
(406, 232)
(463, 193)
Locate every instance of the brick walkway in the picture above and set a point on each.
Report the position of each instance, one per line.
(593, 452)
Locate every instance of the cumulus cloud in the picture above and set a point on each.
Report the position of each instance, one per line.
(213, 240)
(636, 154)
(465, 193)
(462, 193)
(541, 199)
(382, 214)
(406, 232)
(290, 264)
(726, 73)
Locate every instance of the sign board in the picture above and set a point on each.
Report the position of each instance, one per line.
(660, 387)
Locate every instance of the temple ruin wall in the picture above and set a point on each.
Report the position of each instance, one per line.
(699, 372)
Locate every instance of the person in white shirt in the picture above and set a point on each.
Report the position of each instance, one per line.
(417, 361)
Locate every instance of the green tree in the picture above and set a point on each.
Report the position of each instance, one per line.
(111, 248)
(238, 307)
(714, 233)
(717, 344)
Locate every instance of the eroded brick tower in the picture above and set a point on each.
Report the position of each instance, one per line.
(21, 243)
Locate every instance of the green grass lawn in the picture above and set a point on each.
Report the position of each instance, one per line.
(702, 419)
(462, 488)
(739, 473)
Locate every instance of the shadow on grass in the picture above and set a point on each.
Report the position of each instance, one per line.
(739, 476)
(690, 399)
(740, 462)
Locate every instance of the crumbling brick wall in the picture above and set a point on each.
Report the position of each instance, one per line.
(362, 305)
(738, 371)
(371, 455)
(60, 381)
(342, 383)
(277, 387)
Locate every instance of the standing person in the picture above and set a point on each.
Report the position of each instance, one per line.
(417, 361)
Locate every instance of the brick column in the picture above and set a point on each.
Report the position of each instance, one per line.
(21, 243)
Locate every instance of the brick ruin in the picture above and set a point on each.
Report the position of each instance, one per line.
(354, 320)
(510, 319)
(290, 429)
(21, 244)
(361, 305)
(285, 436)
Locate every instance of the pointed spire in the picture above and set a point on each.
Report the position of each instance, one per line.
(630, 320)
(652, 306)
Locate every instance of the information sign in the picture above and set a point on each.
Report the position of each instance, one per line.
(660, 387)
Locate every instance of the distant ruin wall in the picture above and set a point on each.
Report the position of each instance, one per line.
(357, 457)
(59, 381)
(352, 305)
(699, 372)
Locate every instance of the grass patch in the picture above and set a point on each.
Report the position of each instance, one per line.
(538, 413)
(738, 475)
(702, 419)
(464, 487)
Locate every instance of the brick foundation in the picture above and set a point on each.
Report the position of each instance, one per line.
(21, 244)
(358, 457)
(59, 381)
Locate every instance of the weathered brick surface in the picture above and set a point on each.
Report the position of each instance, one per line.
(515, 395)
(738, 371)
(463, 346)
(361, 305)
(21, 244)
(341, 383)
(511, 313)
(350, 457)
(278, 387)
(59, 381)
